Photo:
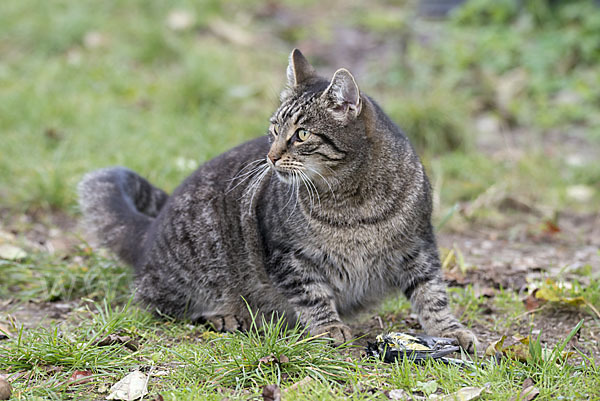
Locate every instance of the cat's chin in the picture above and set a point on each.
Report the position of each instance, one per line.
(285, 177)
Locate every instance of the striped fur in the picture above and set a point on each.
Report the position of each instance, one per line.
(316, 229)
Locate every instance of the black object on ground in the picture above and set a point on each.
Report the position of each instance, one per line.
(416, 347)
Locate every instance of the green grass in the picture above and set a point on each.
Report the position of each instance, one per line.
(48, 278)
(200, 365)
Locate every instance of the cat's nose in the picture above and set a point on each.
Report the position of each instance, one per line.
(273, 158)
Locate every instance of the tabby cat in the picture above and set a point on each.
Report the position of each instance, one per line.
(318, 220)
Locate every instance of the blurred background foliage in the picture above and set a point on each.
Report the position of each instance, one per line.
(499, 96)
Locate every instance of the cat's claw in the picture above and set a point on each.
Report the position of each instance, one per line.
(466, 339)
(339, 333)
(227, 323)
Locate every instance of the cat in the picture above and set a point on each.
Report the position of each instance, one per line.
(323, 217)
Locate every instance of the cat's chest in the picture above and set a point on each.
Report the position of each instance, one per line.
(362, 263)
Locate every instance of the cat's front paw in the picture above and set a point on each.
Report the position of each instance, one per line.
(339, 333)
(466, 339)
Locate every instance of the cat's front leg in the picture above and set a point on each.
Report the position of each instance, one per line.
(427, 294)
(312, 299)
(315, 308)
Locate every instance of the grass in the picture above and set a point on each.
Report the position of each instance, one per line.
(86, 84)
(202, 366)
(44, 277)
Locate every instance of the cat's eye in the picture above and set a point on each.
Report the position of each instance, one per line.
(303, 134)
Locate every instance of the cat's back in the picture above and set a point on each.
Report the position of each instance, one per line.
(227, 170)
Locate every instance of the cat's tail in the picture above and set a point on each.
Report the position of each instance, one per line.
(118, 207)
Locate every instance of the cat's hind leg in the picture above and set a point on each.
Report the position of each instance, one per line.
(227, 323)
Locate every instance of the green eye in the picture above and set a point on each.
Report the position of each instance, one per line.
(303, 134)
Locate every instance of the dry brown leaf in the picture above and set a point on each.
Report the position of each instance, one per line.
(532, 303)
(528, 393)
(112, 339)
(271, 392)
(268, 359)
(519, 350)
(80, 377)
(5, 389)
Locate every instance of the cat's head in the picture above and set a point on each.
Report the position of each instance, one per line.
(317, 131)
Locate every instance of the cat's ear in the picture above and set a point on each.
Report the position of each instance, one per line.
(343, 95)
(299, 69)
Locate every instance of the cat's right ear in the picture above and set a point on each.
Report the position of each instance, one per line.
(342, 96)
(299, 69)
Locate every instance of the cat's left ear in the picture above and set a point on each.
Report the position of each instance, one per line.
(299, 69)
(343, 95)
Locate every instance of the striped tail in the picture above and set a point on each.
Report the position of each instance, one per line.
(118, 207)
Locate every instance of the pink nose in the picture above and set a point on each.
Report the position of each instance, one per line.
(273, 158)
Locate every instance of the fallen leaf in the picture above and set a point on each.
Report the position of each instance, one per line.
(283, 359)
(553, 291)
(550, 227)
(11, 252)
(398, 394)
(267, 359)
(519, 350)
(428, 387)
(531, 302)
(5, 389)
(129, 388)
(112, 339)
(80, 377)
(528, 393)
(271, 392)
(464, 394)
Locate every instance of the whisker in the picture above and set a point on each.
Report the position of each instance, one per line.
(247, 166)
(308, 189)
(296, 187)
(312, 186)
(290, 191)
(256, 184)
(323, 178)
(246, 175)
